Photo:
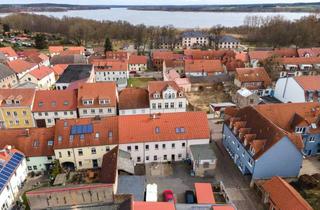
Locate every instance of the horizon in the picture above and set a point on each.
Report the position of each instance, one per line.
(155, 2)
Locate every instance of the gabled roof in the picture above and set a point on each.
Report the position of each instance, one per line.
(227, 38)
(75, 72)
(260, 55)
(284, 196)
(54, 100)
(204, 193)
(190, 34)
(41, 72)
(19, 65)
(141, 205)
(166, 55)
(110, 65)
(258, 74)
(311, 52)
(59, 69)
(8, 51)
(37, 58)
(109, 167)
(138, 59)
(159, 86)
(299, 60)
(25, 96)
(311, 83)
(55, 49)
(285, 52)
(5, 71)
(97, 91)
(133, 98)
(204, 54)
(209, 66)
(33, 142)
(68, 59)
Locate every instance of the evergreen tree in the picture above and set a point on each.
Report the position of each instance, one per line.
(6, 27)
(107, 45)
(40, 41)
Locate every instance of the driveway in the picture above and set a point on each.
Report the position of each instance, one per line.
(237, 185)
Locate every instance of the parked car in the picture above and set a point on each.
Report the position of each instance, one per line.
(190, 197)
(168, 196)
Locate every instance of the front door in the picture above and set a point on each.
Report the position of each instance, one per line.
(173, 157)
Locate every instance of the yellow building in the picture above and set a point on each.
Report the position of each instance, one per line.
(15, 108)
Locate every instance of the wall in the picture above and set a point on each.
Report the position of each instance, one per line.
(292, 93)
(107, 75)
(137, 67)
(9, 81)
(134, 111)
(38, 164)
(100, 111)
(24, 116)
(50, 117)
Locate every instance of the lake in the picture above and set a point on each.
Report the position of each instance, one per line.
(162, 18)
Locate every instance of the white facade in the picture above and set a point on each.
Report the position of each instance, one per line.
(189, 42)
(168, 101)
(110, 76)
(43, 84)
(38, 164)
(11, 189)
(22, 74)
(288, 90)
(228, 45)
(51, 117)
(134, 111)
(137, 67)
(97, 111)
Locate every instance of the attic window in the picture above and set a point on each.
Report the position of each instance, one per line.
(110, 134)
(50, 142)
(35, 143)
(97, 135)
(71, 138)
(40, 104)
(104, 101)
(66, 103)
(53, 103)
(180, 130)
(59, 139)
(65, 123)
(17, 102)
(157, 130)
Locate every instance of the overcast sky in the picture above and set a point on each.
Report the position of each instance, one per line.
(157, 2)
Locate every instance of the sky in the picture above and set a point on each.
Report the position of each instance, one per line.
(149, 2)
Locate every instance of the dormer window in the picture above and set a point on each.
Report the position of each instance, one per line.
(59, 139)
(66, 103)
(87, 102)
(104, 101)
(40, 104)
(180, 94)
(156, 95)
(8, 102)
(17, 102)
(300, 130)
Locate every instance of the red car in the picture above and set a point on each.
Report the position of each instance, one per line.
(168, 196)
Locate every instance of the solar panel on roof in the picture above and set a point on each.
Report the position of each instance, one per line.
(90, 128)
(5, 173)
(2, 181)
(8, 170)
(14, 161)
(3, 176)
(10, 166)
(81, 129)
(19, 155)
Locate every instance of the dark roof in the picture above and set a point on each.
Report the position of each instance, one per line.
(194, 34)
(133, 98)
(68, 59)
(134, 185)
(109, 166)
(227, 38)
(5, 71)
(75, 72)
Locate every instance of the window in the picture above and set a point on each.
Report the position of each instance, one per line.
(100, 110)
(156, 146)
(71, 138)
(147, 157)
(147, 147)
(163, 146)
(129, 148)
(172, 105)
(81, 136)
(110, 134)
(311, 139)
(183, 144)
(179, 155)
(71, 112)
(27, 158)
(164, 157)
(60, 155)
(8, 113)
(107, 149)
(206, 165)
(93, 151)
(153, 105)
(155, 158)
(49, 120)
(93, 111)
(136, 148)
(85, 111)
(17, 122)
(80, 163)
(180, 104)
(97, 135)
(180, 130)
(26, 122)
(46, 114)
(35, 168)
(35, 143)
(29, 168)
(69, 153)
(138, 159)
(80, 152)
(157, 130)
(159, 106)
(65, 113)
(173, 145)
(166, 105)
(109, 110)
(56, 113)
(49, 158)
(24, 113)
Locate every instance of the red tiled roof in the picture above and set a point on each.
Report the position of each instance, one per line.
(284, 196)
(75, 50)
(259, 55)
(204, 54)
(141, 205)
(166, 55)
(54, 100)
(299, 60)
(103, 126)
(159, 86)
(33, 145)
(59, 69)
(209, 66)
(142, 128)
(96, 91)
(110, 65)
(37, 58)
(8, 51)
(285, 52)
(19, 65)
(41, 72)
(309, 82)
(258, 74)
(25, 96)
(133, 98)
(311, 52)
(119, 55)
(204, 193)
(243, 56)
(138, 59)
(223, 207)
(55, 49)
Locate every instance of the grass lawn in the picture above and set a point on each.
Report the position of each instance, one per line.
(139, 82)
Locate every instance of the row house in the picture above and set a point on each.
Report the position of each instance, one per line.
(97, 99)
(8, 78)
(134, 101)
(81, 143)
(298, 89)
(35, 143)
(279, 194)
(166, 97)
(15, 108)
(43, 77)
(259, 148)
(137, 63)
(9, 53)
(52, 105)
(170, 58)
(228, 42)
(203, 68)
(299, 118)
(255, 79)
(13, 173)
(191, 39)
(299, 66)
(74, 75)
(111, 70)
(21, 67)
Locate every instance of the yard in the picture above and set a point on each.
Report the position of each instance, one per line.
(139, 82)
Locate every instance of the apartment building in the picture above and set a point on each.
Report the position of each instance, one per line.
(166, 96)
(191, 39)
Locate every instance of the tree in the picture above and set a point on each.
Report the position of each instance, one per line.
(6, 27)
(271, 65)
(40, 41)
(107, 45)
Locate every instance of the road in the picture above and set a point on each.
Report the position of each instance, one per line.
(237, 185)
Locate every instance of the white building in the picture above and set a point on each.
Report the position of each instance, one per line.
(166, 97)
(133, 101)
(228, 42)
(42, 77)
(137, 63)
(97, 99)
(13, 173)
(21, 67)
(298, 89)
(194, 39)
(52, 105)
